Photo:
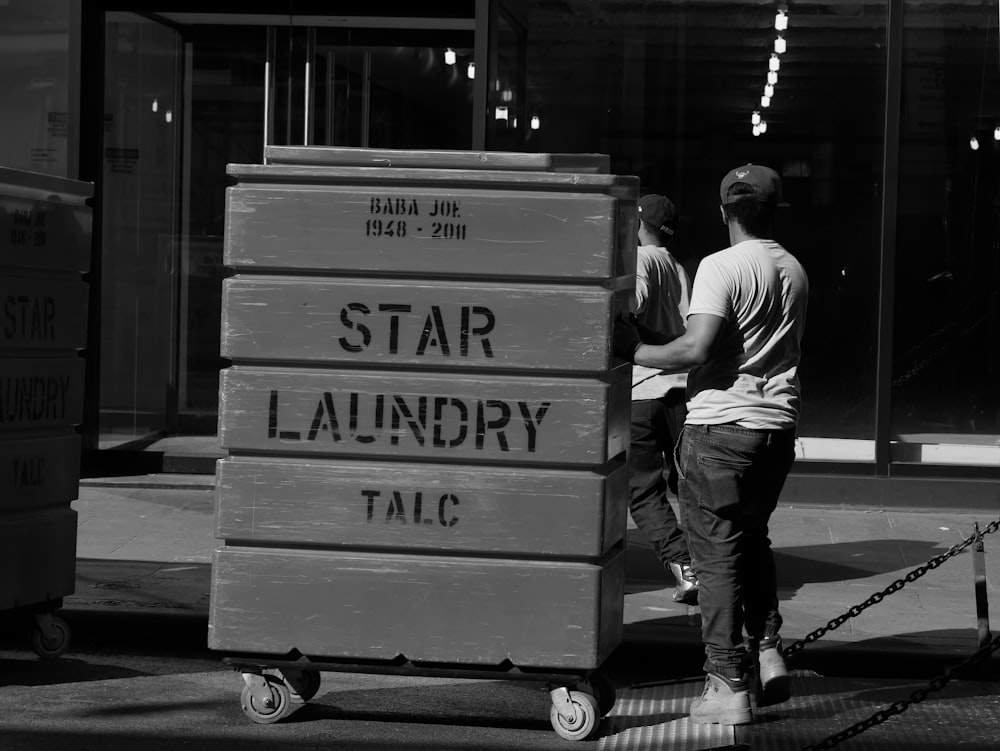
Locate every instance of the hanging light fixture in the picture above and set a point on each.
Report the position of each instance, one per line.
(775, 63)
(449, 56)
(501, 113)
(763, 126)
(781, 20)
(779, 45)
(996, 133)
(536, 122)
(471, 70)
(974, 143)
(756, 129)
(755, 117)
(768, 90)
(765, 101)
(772, 77)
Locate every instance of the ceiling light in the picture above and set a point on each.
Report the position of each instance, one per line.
(774, 64)
(768, 90)
(772, 77)
(755, 118)
(471, 70)
(156, 105)
(781, 20)
(779, 45)
(449, 56)
(765, 101)
(756, 130)
(996, 133)
(763, 126)
(536, 122)
(501, 113)
(974, 143)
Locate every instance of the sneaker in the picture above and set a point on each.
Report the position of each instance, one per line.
(772, 684)
(687, 583)
(723, 702)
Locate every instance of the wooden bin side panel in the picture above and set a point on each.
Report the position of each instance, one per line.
(487, 418)
(40, 471)
(434, 324)
(43, 392)
(42, 313)
(39, 232)
(37, 557)
(446, 230)
(533, 512)
(434, 609)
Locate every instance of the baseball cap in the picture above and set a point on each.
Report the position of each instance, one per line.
(764, 181)
(658, 211)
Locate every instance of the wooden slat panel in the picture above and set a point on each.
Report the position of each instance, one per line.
(427, 416)
(532, 512)
(44, 223)
(427, 608)
(39, 472)
(37, 557)
(37, 313)
(372, 322)
(451, 229)
(41, 392)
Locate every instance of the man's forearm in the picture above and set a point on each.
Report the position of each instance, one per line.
(677, 356)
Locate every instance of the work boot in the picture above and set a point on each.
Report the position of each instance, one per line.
(771, 682)
(723, 702)
(687, 583)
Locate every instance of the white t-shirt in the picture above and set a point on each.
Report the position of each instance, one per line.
(662, 294)
(751, 377)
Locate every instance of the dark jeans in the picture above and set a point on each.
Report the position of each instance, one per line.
(730, 480)
(656, 424)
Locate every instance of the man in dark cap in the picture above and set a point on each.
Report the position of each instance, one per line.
(742, 346)
(662, 293)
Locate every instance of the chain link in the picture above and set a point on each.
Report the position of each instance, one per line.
(897, 585)
(901, 706)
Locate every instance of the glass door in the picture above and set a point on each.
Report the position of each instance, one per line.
(140, 185)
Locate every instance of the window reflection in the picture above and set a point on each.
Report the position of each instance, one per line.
(669, 90)
(946, 407)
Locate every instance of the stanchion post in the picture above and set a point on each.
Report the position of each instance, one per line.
(982, 603)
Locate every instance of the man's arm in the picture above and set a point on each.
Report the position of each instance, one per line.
(689, 350)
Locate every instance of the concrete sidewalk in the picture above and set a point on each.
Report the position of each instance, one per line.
(145, 546)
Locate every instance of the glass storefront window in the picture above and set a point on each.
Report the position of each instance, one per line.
(38, 49)
(946, 355)
(671, 93)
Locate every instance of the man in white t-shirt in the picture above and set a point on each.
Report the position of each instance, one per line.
(662, 293)
(742, 347)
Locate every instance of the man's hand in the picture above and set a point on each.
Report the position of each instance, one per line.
(626, 338)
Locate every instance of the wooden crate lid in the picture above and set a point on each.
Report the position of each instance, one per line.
(437, 159)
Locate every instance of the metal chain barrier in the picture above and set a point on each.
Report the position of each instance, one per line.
(901, 706)
(897, 585)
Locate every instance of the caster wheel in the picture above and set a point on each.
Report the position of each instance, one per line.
(266, 712)
(49, 638)
(303, 685)
(604, 692)
(583, 723)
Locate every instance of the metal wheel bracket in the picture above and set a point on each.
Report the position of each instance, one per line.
(562, 702)
(46, 625)
(259, 688)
